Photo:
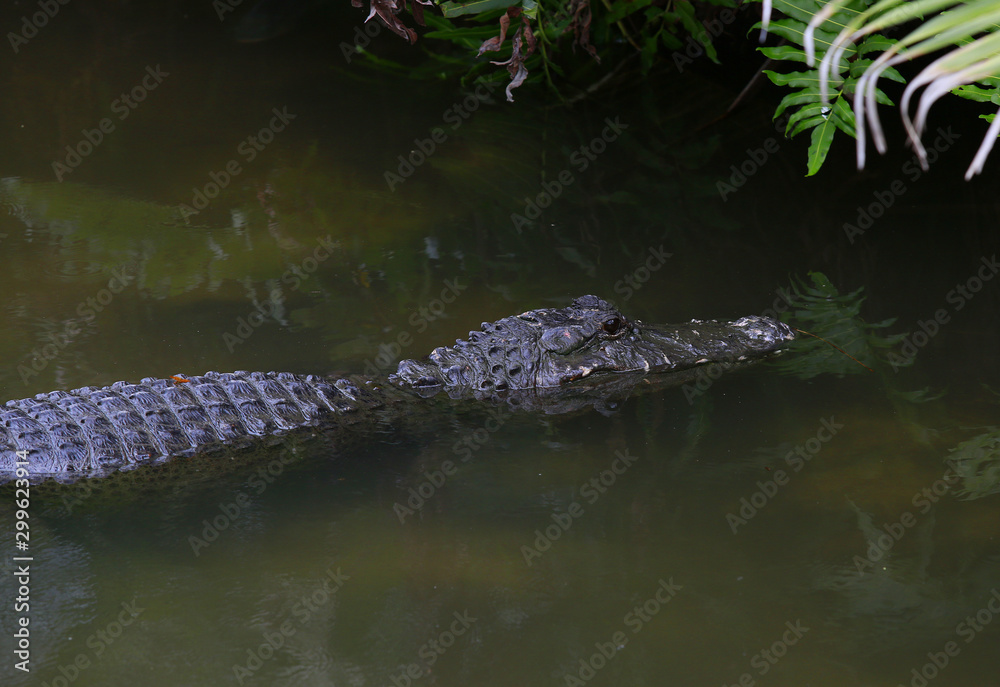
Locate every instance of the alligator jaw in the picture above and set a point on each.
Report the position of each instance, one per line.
(653, 349)
(697, 342)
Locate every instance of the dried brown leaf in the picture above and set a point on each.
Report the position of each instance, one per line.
(417, 10)
(387, 11)
(529, 37)
(580, 26)
(493, 44)
(515, 64)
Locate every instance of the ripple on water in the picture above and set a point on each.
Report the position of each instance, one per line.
(72, 268)
(68, 259)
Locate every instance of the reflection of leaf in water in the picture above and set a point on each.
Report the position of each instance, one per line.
(619, 197)
(360, 276)
(917, 396)
(822, 310)
(977, 462)
(699, 426)
(571, 254)
(890, 590)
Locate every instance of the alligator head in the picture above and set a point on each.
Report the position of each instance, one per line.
(554, 347)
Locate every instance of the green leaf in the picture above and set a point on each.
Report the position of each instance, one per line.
(822, 137)
(649, 52)
(471, 33)
(689, 19)
(805, 10)
(804, 124)
(670, 41)
(809, 112)
(977, 93)
(795, 99)
(875, 43)
(784, 52)
(623, 8)
(843, 116)
(795, 79)
(457, 9)
(881, 98)
(794, 30)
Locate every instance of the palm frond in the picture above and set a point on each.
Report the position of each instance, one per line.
(968, 32)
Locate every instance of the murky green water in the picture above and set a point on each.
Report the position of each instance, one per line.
(758, 529)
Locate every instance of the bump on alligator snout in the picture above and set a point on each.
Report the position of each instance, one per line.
(766, 330)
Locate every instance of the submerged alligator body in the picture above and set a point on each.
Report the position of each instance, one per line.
(549, 360)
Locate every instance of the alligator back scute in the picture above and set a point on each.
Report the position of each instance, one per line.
(22, 431)
(134, 428)
(92, 431)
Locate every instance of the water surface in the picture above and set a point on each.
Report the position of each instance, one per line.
(765, 528)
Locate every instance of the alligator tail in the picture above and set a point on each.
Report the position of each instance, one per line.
(92, 431)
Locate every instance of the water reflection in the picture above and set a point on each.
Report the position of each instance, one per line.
(260, 596)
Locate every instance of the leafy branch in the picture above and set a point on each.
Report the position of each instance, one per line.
(540, 29)
(817, 103)
(968, 33)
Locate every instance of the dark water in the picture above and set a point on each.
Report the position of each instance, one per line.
(758, 529)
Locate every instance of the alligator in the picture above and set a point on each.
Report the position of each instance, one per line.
(550, 360)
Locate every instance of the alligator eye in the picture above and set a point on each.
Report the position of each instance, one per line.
(613, 326)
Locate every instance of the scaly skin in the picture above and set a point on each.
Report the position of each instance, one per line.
(551, 360)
